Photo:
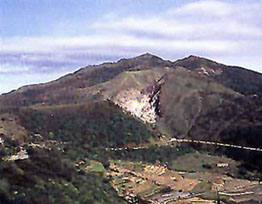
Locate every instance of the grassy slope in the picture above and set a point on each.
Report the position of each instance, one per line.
(126, 81)
(185, 96)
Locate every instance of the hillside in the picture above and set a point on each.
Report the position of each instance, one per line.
(239, 79)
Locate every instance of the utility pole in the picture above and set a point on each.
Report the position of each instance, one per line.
(218, 198)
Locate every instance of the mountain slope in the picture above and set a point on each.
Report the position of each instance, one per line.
(239, 79)
(96, 125)
(68, 89)
(192, 97)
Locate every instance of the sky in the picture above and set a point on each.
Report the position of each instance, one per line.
(41, 40)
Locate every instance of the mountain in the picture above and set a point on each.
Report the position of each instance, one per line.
(241, 80)
(193, 97)
(134, 105)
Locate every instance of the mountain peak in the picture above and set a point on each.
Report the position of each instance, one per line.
(147, 56)
(143, 57)
(195, 62)
(193, 57)
(144, 61)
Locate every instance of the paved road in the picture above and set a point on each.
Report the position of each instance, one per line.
(213, 143)
(175, 140)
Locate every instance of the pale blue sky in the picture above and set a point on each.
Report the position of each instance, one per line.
(69, 17)
(41, 40)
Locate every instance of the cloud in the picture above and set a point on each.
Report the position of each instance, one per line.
(208, 7)
(201, 19)
(11, 68)
(50, 54)
(216, 29)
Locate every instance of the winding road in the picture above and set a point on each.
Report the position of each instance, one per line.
(175, 140)
(214, 143)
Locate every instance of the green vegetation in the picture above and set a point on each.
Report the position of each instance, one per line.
(50, 177)
(202, 187)
(95, 167)
(249, 134)
(51, 174)
(202, 161)
(152, 154)
(241, 80)
(95, 125)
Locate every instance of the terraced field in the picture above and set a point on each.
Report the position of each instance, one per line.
(157, 183)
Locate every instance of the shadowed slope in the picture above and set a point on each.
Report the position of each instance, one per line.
(237, 78)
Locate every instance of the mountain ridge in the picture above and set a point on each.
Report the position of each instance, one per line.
(143, 57)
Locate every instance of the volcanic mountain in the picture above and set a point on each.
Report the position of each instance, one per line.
(192, 97)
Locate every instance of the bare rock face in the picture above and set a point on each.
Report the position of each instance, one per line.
(138, 104)
(142, 103)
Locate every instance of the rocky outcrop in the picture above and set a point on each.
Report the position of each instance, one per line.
(143, 104)
(138, 104)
